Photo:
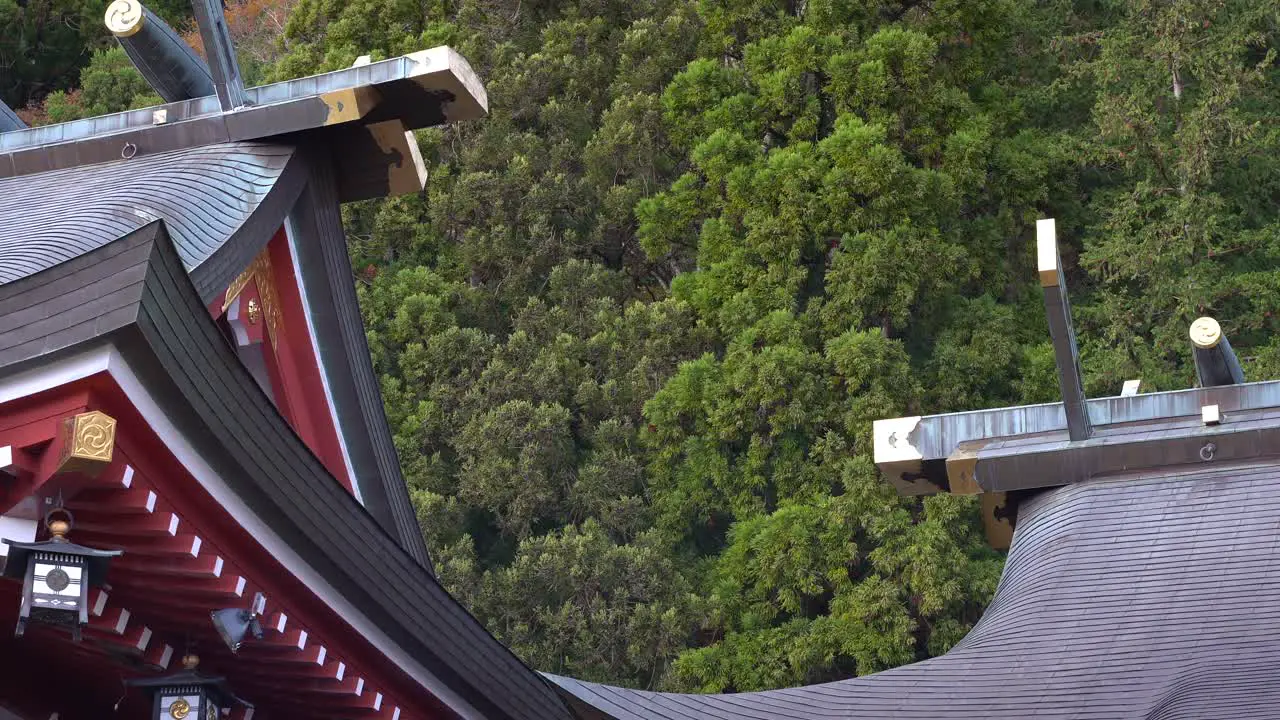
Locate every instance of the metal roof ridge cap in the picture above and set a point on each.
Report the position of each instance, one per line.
(431, 61)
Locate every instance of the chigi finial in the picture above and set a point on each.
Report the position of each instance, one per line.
(220, 52)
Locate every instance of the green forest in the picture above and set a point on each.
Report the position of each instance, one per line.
(633, 335)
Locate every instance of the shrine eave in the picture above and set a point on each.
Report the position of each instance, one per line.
(128, 309)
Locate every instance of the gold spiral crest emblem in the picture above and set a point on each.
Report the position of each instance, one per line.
(124, 17)
(97, 435)
(1205, 333)
(88, 441)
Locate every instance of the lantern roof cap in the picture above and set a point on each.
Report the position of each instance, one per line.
(96, 560)
(215, 685)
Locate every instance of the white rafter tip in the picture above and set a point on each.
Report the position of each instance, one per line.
(126, 478)
(1047, 259)
(6, 460)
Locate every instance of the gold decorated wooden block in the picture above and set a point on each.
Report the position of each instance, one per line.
(88, 440)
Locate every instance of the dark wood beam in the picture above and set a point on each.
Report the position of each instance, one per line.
(1216, 362)
(9, 120)
(165, 61)
(1058, 308)
(221, 54)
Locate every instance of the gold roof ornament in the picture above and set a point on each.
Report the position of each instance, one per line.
(261, 275)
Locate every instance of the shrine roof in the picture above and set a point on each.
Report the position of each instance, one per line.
(1142, 596)
(209, 197)
(134, 295)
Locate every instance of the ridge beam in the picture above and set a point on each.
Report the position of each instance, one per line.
(1032, 462)
(1058, 307)
(912, 452)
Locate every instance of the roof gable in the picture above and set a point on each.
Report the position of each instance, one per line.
(161, 328)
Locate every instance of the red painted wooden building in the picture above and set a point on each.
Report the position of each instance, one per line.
(184, 378)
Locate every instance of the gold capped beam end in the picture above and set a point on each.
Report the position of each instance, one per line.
(124, 18)
(1206, 333)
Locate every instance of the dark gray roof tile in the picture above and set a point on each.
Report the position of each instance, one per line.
(1152, 596)
(203, 194)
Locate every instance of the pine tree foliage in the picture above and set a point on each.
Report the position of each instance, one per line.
(633, 335)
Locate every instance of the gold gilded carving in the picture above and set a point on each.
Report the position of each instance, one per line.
(124, 18)
(1206, 333)
(254, 312)
(88, 441)
(260, 272)
(237, 286)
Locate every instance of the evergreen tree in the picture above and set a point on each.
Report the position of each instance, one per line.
(633, 335)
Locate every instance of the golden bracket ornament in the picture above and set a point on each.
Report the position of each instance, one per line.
(88, 441)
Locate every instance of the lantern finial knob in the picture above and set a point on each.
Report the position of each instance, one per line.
(190, 661)
(59, 529)
(58, 521)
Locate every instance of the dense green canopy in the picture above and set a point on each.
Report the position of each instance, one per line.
(633, 336)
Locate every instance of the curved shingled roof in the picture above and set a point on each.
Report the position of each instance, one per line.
(204, 195)
(1154, 597)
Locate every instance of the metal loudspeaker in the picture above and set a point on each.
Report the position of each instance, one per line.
(233, 624)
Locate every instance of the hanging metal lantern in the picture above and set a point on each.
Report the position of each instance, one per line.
(56, 576)
(187, 695)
